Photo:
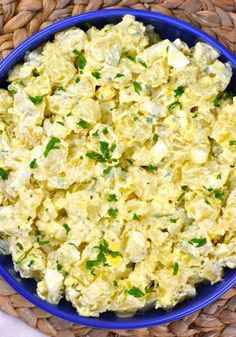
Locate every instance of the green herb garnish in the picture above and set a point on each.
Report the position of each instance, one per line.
(143, 63)
(118, 75)
(219, 176)
(174, 105)
(37, 99)
(112, 197)
(67, 228)
(219, 194)
(61, 123)
(51, 146)
(136, 292)
(130, 161)
(232, 142)
(136, 217)
(81, 60)
(59, 267)
(33, 164)
(77, 80)
(83, 124)
(31, 263)
(115, 283)
(137, 87)
(113, 212)
(197, 242)
(105, 131)
(104, 250)
(4, 174)
(175, 268)
(151, 168)
(155, 136)
(61, 88)
(19, 245)
(107, 170)
(224, 96)
(181, 196)
(95, 134)
(173, 220)
(96, 74)
(130, 57)
(179, 91)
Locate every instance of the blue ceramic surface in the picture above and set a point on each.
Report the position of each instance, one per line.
(167, 27)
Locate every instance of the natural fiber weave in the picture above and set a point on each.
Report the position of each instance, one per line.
(19, 20)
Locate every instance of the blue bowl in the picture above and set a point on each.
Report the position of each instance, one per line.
(167, 27)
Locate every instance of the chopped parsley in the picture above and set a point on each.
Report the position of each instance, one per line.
(207, 202)
(115, 283)
(81, 60)
(95, 134)
(59, 267)
(95, 155)
(51, 146)
(136, 217)
(33, 164)
(143, 63)
(112, 197)
(104, 250)
(37, 99)
(195, 116)
(13, 91)
(83, 124)
(174, 105)
(175, 268)
(29, 218)
(232, 142)
(113, 212)
(136, 292)
(31, 263)
(198, 242)
(22, 257)
(155, 136)
(151, 168)
(130, 161)
(130, 57)
(224, 96)
(61, 123)
(219, 176)
(107, 170)
(19, 245)
(105, 131)
(38, 239)
(181, 196)
(77, 80)
(67, 228)
(137, 87)
(173, 220)
(118, 75)
(219, 194)
(184, 188)
(69, 114)
(4, 174)
(106, 152)
(179, 91)
(96, 74)
(61, 88)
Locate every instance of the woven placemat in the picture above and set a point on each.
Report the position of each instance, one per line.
(19, 20)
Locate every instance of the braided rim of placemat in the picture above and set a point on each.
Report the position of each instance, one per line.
(21, 19)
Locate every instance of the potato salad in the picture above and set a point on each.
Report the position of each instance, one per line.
(117, 168)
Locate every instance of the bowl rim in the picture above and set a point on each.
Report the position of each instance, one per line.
(6, 64)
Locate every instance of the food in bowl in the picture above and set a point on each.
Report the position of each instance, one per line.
(118, 186)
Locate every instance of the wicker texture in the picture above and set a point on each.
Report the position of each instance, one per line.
(21, 19)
